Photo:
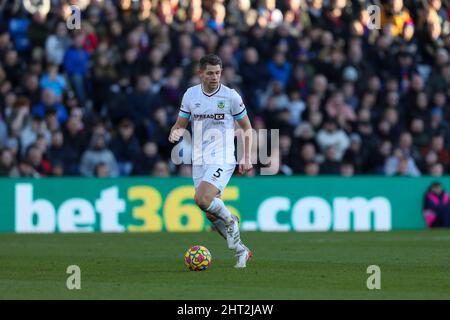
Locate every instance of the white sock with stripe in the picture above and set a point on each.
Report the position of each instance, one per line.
(222, 230)
(217, 207)
(220, 227)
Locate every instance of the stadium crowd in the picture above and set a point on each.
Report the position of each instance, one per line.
(347, 98)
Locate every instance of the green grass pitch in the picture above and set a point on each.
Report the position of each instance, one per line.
(414, 265)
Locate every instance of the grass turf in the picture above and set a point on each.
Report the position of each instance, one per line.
(414, 265)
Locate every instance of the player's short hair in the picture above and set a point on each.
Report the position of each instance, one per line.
(211, 59)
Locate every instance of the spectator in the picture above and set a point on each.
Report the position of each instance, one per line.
(98, 153)
(144, 164)
(48, 102)
(76, 65)
(438, 125)
(275, 91)
(32, 131)
(369, 140)
(405, 143)
(436, 170)
(350, 97)
(158, 131)
(101, 170)
(3, 131)
(161, 169)
(436, 206)
(143, 102)
(307, 155)
(355, 154)
(8, 166)
(254, 77)
(57, 168)
(31, 89)
(296, 108)
(51, 120)
(103, 77)
(347, 169)
(337, 108)
(270, 113)
(396, 15)
(312, 169)
(38, 31)
(279, 68)
(54, 82)
(285, 148)
(120, 95)
(130, 66)
(57, 44)
(75, 139)
(330, 165)
(330, 135)
(170, 91)
(27, 170)
(401, 164)
(420, 136)
(34, 157)
(420, 107)
(437, 146)
(64, 155)
(125, 147)
(300, 80)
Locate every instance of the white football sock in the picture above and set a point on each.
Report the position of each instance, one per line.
(220, 227)
(217, 207)
(240, 247)
(222, 230)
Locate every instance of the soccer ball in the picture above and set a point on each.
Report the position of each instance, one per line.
(197, 258)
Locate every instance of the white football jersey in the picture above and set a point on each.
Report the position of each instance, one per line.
(212, 116)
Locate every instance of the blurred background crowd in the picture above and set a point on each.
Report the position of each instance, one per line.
(348, 99)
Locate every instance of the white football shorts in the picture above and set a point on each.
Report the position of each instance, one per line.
(217, 174)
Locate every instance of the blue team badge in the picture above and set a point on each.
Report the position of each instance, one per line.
(221, 104)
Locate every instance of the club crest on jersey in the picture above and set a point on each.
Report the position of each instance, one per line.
(221, 104)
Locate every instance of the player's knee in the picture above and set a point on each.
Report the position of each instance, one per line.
(210, 217)
(202, 200)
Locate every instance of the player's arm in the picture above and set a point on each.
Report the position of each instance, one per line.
(247, 136)
(239, 113)
(176, 132)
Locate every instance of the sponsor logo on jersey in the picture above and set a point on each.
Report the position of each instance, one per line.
(216, 116)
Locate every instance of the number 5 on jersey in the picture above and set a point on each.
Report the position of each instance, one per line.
(217, 173)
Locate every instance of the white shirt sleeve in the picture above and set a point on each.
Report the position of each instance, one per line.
(238, 109)
(185, 109)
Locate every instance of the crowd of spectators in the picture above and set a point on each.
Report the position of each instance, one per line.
(348, 98)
